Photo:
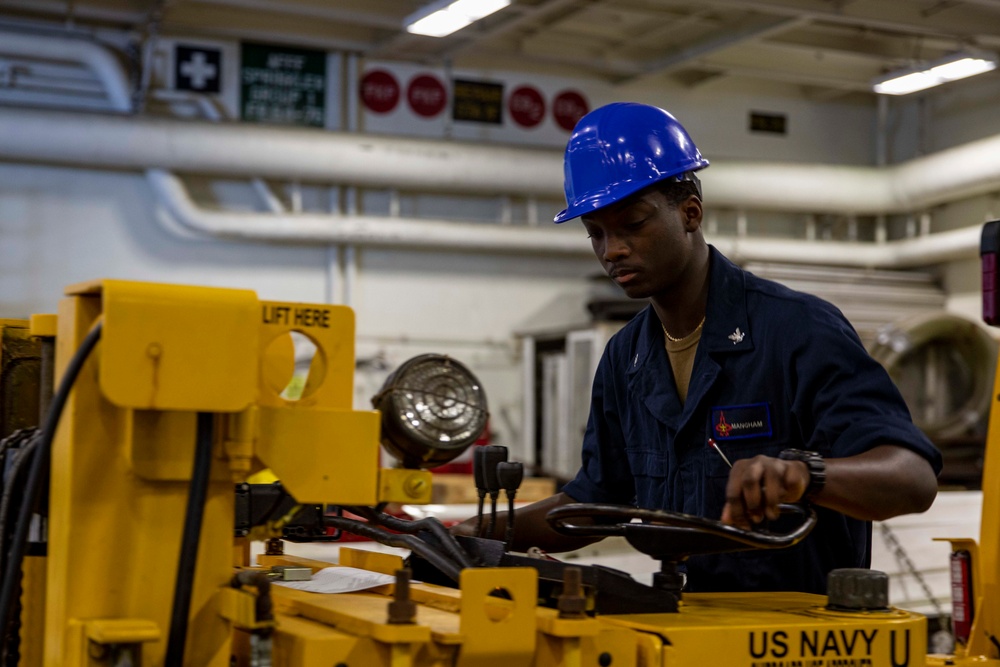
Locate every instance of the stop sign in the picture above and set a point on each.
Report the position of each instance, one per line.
(379, 91)
(526, 106)
(426, 95)
(568, 107)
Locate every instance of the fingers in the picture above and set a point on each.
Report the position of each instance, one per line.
(466, 528)
(758, 485)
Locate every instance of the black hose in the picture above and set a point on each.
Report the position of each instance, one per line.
(177, 638)
(382, 536)
(25, 454)
(37, 473)
(430, 524)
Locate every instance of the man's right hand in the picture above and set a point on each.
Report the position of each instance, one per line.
(466, 528)
(530, 528)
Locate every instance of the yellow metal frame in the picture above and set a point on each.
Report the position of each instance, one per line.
(121, 465)
(123, 454)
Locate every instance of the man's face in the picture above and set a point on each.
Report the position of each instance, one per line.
(643, 242)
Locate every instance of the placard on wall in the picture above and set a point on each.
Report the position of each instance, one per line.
(283, 85)
(477, 101)
(400, 98)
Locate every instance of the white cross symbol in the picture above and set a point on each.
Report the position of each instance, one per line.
(199, 70)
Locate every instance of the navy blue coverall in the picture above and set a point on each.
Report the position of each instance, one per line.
(775, 369)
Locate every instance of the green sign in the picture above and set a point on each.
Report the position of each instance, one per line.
(283, 85)
(477, 101)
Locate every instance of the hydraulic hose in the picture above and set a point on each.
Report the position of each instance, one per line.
(177, 639)
(430, 524)
(37, 473)
(414, 544)
(8, 500)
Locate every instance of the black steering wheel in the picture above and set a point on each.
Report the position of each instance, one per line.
(672, 536)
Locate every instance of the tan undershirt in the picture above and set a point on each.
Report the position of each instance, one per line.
(681, 355)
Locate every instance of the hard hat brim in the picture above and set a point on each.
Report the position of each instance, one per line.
(619, 191)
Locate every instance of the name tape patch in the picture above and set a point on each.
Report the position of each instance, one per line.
(732, 422)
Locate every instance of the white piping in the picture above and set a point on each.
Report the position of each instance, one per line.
(407, 164)
(906, 253)
(422, 165)
(250, 151)
(459, 236)
(358, 229)
(67, 49)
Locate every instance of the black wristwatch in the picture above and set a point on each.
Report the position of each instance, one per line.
(816, 465)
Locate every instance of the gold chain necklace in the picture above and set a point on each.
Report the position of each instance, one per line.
(675, 339)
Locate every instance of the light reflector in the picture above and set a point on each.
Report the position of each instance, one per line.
(433, 408)
(956, 66)
(439, 19)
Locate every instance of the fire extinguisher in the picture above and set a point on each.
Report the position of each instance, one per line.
(962, 601)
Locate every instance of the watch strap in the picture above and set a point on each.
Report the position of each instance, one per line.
(816, 465)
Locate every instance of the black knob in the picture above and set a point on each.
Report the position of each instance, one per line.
(857, 589)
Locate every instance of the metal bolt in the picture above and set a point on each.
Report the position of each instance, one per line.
(99, 652)
(402, 610)
(155, 350)
(274, 547)
(604, 660)
(414, 486)
(572, 603)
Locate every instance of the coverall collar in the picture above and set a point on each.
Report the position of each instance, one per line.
(726, 331)
(726, 328)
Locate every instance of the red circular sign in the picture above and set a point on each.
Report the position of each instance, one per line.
(379, 91)
(526, 106)
(568, 107)
(426, 95)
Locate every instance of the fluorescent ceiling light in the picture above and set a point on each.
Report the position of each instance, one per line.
(956, 66)
(443, 18)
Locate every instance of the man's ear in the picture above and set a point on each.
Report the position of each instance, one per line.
(691, 213)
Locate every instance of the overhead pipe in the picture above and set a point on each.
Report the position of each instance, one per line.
(97, 58)
(381, 231)
(248, 151)
(936, 248)
(358, 229)
(408, 164)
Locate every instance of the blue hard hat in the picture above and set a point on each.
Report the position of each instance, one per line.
(619, 149)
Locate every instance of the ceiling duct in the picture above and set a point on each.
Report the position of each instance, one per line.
(244, 150)
(367, 230)
(84, 73)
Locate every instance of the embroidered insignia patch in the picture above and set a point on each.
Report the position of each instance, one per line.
(741, 421)
(736, 336)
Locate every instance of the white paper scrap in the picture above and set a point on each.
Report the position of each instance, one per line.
(340, 580)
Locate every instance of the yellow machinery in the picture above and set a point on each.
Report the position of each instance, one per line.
(183, 374)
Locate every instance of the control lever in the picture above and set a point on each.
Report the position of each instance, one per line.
(479, 475)
(510, 475)
(493, 455)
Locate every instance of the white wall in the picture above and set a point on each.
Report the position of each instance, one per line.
(63, 226)
(946, 116)
(716, 114)
(941, 118)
